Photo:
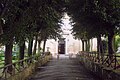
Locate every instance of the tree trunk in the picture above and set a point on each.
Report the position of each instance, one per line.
(30, 45)
(39, 46)
(101, 47)
(1, 29)
(44, 45)
(86, 46)
(110, 43)
(35, 45)
(82, 45)
(8, 56)
(98, 46)
(22, 51)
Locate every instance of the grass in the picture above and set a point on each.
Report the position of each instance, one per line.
(14, 57)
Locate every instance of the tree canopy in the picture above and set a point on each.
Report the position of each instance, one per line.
(23, 20)
(92, 18)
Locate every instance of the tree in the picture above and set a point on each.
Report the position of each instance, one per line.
(98, 18)
(10, 14)
(22, 20)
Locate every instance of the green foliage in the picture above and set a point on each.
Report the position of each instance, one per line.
(117, 42)
(24, 19)
(94, 17)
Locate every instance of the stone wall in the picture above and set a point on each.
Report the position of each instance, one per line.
(31, 69)
(104, 73)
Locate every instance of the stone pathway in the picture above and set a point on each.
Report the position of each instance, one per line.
(62, 69)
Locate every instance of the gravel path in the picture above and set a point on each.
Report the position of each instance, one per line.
(62, 69)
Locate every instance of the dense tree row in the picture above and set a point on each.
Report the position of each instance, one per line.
(39, 20)
(28, 20)
(95, 18)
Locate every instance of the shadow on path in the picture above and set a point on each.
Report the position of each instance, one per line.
(62, 69)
